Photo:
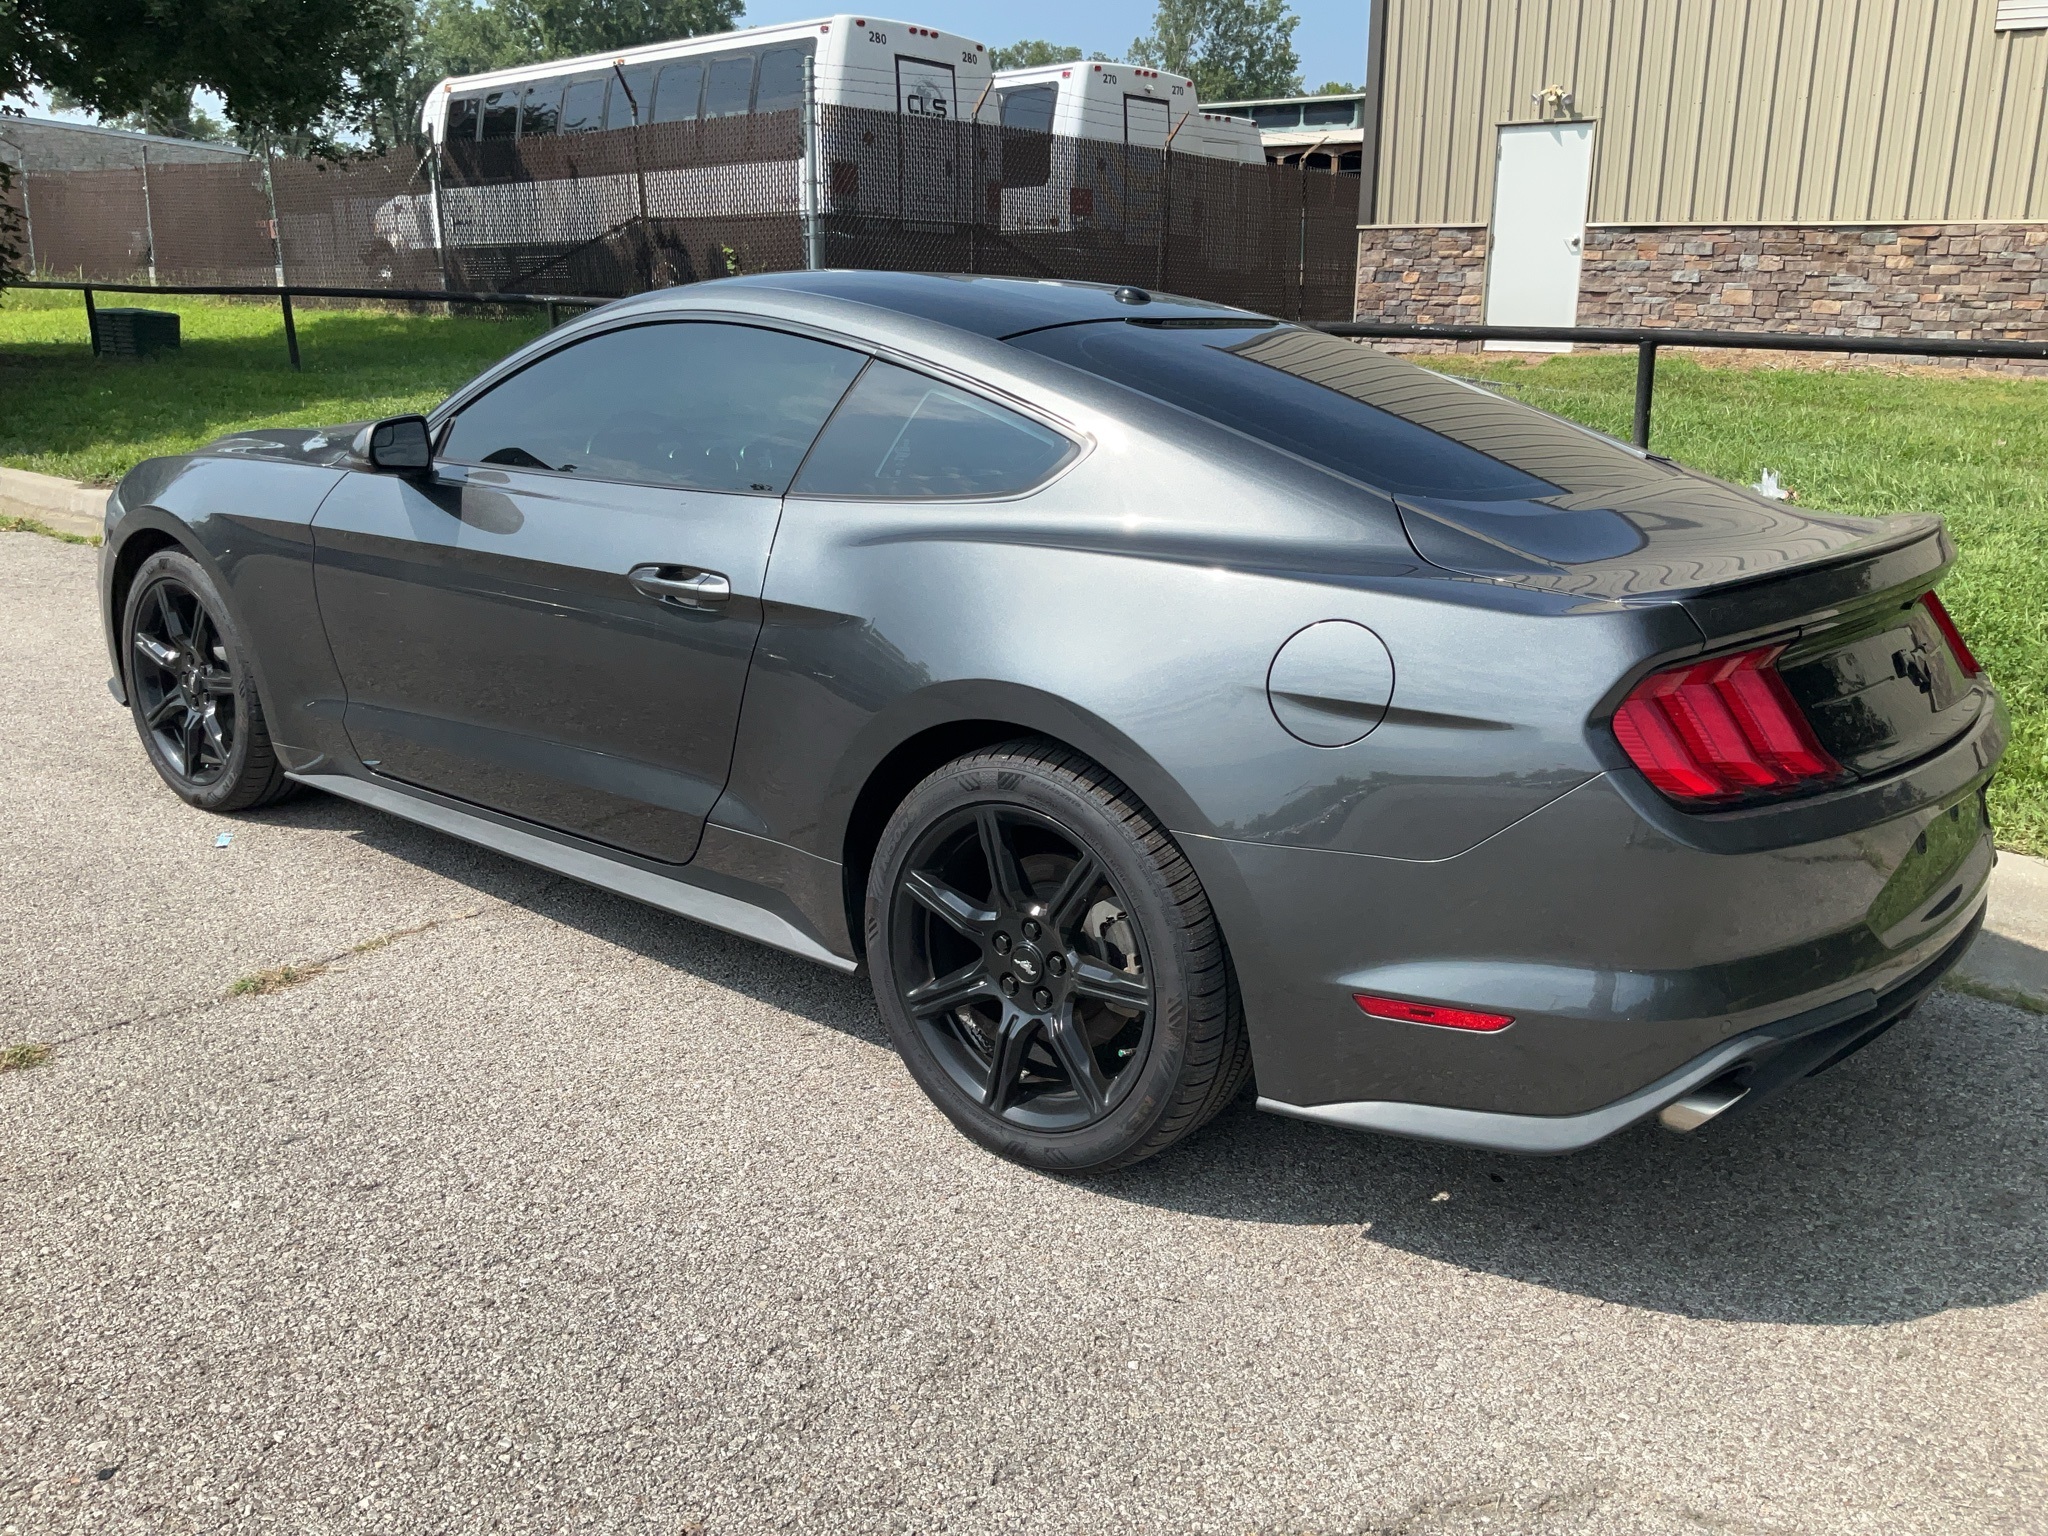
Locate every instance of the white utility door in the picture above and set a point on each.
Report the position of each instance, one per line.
(1541, 177)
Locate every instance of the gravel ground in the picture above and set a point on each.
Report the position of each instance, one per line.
(556, 1213)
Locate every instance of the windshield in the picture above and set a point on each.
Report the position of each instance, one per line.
(1387, 423)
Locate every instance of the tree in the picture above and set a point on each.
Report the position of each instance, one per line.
(168, 117)
(281, 66)
(1337, 88)
(1030, 52)
(1231, 49)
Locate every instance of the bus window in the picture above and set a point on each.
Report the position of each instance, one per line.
(1330, 114)
(782, 80)
(630, 99)
(461, 122)
(583, 107)
(675, 98)
(542, 114)
(1027, 157)
(1288, 116)
(501, 115)
(730, 90)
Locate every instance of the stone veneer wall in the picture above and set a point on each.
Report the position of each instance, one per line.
(1974, 280)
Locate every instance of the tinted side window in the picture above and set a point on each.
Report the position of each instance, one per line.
(903, 436)
(583, 107)
(543, 112)
(1330, 114)
(630, 102)
(1029, 106)
(710, 406)
(1027, 157)
(675, 98)
(501, 114)
(782, 80)
(730, 89)
(461, 119)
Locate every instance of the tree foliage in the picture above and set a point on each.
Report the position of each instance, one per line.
(1338, 88)
(1231, 49)
(281, 66)
(1030, 52)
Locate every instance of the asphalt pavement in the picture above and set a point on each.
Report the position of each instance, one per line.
(537, 1210)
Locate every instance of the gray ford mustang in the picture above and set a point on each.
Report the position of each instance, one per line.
(1152, 696)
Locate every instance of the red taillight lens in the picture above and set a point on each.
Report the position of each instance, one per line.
(1721, 730)
(1081, 202)
(1956, 643)
(1404, 1012)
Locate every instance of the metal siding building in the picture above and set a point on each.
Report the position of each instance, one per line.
(1793, 117)
(1725, 111)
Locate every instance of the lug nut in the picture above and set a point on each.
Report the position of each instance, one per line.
(1042, 997)
(1057, 964)
(1030, 929)
(1009, 986)
(1002, 943)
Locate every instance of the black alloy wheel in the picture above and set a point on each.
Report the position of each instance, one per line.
(1018, 958)
(1048, 964)
(191, 691)
(184, 685)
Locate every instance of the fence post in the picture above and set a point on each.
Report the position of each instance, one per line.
(1301, 274)
(291, 330)
(92, 321)
(1646, 384)
(28, 220)
(814, 229)
(148, 222)
(440, 227)
(276, 229)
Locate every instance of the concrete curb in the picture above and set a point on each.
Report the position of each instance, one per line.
(2009, 961)
(64, 505)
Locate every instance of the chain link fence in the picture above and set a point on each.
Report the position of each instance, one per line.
(621, 211)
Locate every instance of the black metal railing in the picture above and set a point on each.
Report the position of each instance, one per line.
(554, 303)
(1647, 342)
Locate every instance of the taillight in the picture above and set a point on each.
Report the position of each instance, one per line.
(1081, 202)
(1721, 730)
(1404, 1012)
(1957, 645)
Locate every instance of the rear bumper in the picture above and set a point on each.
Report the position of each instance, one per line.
(1630, 957)
(1753, 1066)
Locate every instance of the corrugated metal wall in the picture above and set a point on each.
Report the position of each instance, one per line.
(1725, 111)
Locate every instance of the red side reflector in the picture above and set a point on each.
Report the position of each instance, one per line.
(1722, 729)
(1404, 1012)
(1960, 647)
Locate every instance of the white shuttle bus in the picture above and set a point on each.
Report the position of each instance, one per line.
(1124, 104)
(922, 73)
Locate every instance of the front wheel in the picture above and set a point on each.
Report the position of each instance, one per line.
(191, 691)
(1048, 964)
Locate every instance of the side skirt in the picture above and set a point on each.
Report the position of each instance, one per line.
(714, 908)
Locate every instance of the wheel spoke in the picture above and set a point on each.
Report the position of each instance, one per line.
(1006, 881)
(1070, 1044)
(191, 738)
(157, 718)
(1080, 880)
(217, 680)
(214, 734)
(1094, 979)
(1008, 1064)
(156, 653)
(949, 905)
(167, 611)
(943, 993)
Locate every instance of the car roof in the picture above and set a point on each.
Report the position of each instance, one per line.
(996, 307)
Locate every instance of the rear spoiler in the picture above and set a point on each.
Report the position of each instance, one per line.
(1909, 559)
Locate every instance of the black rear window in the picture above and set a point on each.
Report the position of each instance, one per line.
(1387, 423)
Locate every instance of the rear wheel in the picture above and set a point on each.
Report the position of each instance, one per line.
(191, 692)
(1048, 964)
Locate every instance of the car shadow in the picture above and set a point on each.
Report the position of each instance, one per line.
(1907, 1181)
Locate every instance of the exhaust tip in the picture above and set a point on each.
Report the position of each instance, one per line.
(1704, 1103)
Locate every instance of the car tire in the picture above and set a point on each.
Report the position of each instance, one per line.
(192, 690)
(1104, 1023)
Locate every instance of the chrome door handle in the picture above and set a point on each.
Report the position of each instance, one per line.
(681, 585)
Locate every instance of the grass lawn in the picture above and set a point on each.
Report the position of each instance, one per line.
(1973, 447)
(63, 413)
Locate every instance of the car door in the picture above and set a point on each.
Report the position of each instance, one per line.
(557, 624)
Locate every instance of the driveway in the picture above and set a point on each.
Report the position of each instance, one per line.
(536, 1210)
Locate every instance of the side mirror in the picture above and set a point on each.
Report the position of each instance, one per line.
(399, 445)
